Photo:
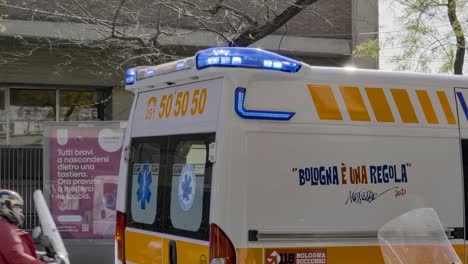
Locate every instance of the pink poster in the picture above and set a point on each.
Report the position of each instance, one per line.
(84, 167)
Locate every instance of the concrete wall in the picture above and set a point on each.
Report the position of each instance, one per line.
(121, 103)
(45, 66)
(365, 26)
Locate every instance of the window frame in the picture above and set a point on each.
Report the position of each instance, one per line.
(157, 223)
(163, 222)
(203, 232)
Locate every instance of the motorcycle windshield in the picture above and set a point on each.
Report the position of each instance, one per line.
(416, 237)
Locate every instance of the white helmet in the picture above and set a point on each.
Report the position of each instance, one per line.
(11, 207)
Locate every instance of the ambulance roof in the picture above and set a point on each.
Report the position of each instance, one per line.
(223, 60)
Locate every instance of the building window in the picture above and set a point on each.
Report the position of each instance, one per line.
(28, 110)
(79, 106)
(24, 110)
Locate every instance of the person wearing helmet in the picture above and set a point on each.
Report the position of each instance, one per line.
(16, 246)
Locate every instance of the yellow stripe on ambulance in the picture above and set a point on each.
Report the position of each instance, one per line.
(405, 104)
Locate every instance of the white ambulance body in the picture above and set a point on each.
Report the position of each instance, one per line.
(243, 156)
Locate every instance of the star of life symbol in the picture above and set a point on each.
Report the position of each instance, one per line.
(144, 182)
(187, 187)
(274, 258)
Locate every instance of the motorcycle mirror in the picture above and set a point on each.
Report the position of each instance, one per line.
(37, 232)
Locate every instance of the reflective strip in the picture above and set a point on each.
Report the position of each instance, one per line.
(342, 254)
(355, 104)
(427, 107)
(404, 105)
(444, 102)
(325, 102)
(380, 105)
(249, 255)
(420, 253)
(141, 248)
(371, 255)
(148, 248)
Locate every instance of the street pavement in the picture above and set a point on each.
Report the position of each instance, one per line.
(87, 253)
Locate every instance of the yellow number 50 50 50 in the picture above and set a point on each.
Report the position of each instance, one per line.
(185, 101)
(196, 101)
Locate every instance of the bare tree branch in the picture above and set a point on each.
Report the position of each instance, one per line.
(114, 21)
(51, 14)
(256, 33)
(249, 19)
(85, 21)
(117, 34)
(214, 31)
(324, 18)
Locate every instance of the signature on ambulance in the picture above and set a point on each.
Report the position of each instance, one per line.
(365, 196)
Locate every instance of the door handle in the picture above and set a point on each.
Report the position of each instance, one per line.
(172, 252)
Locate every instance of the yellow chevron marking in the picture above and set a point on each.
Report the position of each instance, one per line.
(325, 102)
(444, 102)
(404, 105)
(355, 104)
(426, 104)
(379, 105)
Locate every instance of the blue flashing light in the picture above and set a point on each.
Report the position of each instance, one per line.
(245, 58)
(212, 60)
(255, 114)
(150, 72)
(130, 76)
(225, 60)
(236, 60)
(180, 65)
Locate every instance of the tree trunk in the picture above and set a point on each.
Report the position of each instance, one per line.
(459, 35)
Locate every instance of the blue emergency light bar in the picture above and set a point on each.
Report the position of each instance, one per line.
(245, 58)
(222, 57)
(130, 76)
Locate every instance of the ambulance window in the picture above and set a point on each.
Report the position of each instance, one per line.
(190, 186)
(144, 175)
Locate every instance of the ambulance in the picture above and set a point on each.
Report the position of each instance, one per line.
(240, 155)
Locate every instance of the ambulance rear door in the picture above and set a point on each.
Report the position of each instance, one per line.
(170, 173)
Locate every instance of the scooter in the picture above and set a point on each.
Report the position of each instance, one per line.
(48, 234)
(416, 237)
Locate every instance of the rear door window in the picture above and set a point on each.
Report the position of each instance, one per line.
(144, 177)
(188, 198)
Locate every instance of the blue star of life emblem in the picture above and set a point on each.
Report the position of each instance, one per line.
(187, 187)
(144, 182)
